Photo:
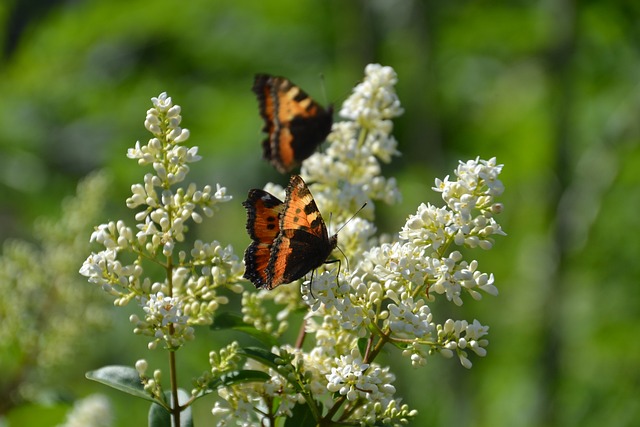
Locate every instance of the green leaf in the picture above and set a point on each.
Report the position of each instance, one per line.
(160, 417)
(123, 378)
(362, 346)
(238, 377)
(261, 355)
(302, 417)
(234, 321)
(269, 359)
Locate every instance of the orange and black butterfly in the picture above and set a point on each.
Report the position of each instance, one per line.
(289, 239)
(294, 122)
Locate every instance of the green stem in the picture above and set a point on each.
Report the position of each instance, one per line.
(384, 338)
(175, 408)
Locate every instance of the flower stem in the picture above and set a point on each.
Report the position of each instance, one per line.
(175, 407)
(301, 334)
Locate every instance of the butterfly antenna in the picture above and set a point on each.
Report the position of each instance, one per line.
(330, 218)
(338, 247)
(352, 216)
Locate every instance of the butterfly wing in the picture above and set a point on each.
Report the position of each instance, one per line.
(294, 122)
(298, 252)
(263, 226)
(302, 243)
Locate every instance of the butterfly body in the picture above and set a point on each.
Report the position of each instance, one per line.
(294, 122)
(289, 238)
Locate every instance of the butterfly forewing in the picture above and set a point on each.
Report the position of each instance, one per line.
(301, 211)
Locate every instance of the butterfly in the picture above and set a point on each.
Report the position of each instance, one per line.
(294, 122)
(289, 239)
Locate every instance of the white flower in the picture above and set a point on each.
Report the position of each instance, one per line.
(141, 367)
(221, 194)
(410, 318)
(452, 275)
(347, 377)
(97, 266)
(162, 102)
(354, 379)
(163, 309)
(164, 320)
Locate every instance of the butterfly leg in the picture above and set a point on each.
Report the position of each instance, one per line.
(311, 285)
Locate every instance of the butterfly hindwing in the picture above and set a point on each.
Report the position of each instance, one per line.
(294, 122)
(298, 253)
(300, 244)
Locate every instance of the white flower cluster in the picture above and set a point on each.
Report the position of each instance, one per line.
(374, 101)
(382, 293)
(457, 335)
(45, 309)
(355, 379)
(347, 174)
(94, 410)
(342, 179)
(164, 321)
(392, 284)
(471, 208)
(236, 409)
(187, 295)
(275, 396)
(163, 121)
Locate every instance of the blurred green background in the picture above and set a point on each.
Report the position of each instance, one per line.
(551, 88)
